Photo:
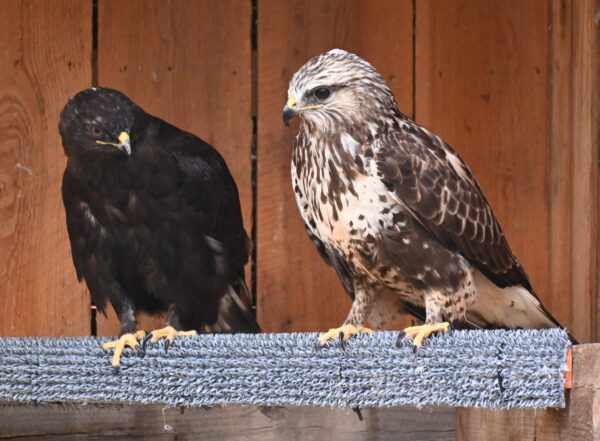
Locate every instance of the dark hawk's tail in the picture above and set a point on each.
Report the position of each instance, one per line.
(235, 312)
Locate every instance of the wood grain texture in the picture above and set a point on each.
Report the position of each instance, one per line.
(296, 290)
(44, 59)
(233, 423)
(573, 165)
(482, 85)
(188, 63)
(579, 421)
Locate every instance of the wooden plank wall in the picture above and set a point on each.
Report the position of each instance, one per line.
(296, 291)
(487, 64)
(44, 59)
(508, 84)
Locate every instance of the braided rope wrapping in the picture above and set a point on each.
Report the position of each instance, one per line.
(493, 369)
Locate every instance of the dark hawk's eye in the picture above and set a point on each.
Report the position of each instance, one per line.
(322, 93)
(96, 131)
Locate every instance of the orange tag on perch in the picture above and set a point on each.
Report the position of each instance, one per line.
(569, 369)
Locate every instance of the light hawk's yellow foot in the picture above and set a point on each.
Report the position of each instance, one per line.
(169, 333)
(347, 330)
(421, 332)
(119, 345)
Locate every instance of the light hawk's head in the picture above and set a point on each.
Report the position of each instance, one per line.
(337, 87)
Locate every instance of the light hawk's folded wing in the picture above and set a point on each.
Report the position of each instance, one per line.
(429, 177)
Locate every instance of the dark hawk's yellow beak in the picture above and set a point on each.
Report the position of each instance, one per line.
(124, 143)
(290, 110)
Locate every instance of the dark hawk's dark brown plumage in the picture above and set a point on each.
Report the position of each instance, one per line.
(395, 211)
(154, 218)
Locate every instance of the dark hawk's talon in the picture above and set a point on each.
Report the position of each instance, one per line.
(145, 342)
(127, 340)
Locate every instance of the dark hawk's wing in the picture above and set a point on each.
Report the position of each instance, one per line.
(212, 200)
(429, 177)
(83, 236)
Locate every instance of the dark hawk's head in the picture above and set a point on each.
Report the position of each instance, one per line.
(97, 121)
(337, 87)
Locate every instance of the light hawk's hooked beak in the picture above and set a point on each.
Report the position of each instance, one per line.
(123, 145)
(290, 110)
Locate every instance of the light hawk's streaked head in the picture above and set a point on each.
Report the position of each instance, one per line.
(337, 87)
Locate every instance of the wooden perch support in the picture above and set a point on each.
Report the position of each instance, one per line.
(579, 421)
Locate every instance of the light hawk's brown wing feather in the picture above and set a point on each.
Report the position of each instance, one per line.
(429, 177)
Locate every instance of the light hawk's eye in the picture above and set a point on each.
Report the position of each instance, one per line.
(96, 131)
(322, 93)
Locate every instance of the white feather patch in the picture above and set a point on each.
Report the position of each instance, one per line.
(513, 307)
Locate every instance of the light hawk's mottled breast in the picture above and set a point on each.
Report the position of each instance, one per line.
(342, 200)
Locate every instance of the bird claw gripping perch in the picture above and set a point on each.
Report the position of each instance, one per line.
(168, 333)
(126, 340)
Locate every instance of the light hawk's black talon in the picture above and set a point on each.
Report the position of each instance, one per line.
(358, 413)
(342, 342)
(415, 349)
(168, 344)
(400, 338)
(116, 370)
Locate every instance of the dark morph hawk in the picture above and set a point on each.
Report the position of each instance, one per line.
(396, 212)
(154, 220)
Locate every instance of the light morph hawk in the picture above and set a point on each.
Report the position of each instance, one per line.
(396, 212)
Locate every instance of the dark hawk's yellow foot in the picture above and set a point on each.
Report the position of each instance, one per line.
(119, 345)
(347, 330)
(420, 333)
(169, 333)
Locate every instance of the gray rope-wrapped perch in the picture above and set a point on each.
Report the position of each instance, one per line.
(494, 369)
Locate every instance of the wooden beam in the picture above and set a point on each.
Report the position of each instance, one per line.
(573, 165)
(155, 423)
(579, 421)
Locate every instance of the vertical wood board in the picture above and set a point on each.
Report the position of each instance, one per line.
(188, 63)
(44, 59)
(482, 85)
(579, 421)
(296, 290)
